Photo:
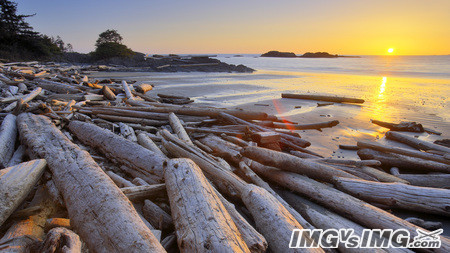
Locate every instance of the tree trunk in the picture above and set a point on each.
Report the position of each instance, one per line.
(8, 134)
(16, 183)
(342, 203)
(201, 221)
(415, 142)
(118, 149)
(295, 164)
(98, 210)
(398, 195)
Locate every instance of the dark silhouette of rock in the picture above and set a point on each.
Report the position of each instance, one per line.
(279, 54)
(319, 55)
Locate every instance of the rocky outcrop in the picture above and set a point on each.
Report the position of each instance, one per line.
(319, 55)
(279, 54)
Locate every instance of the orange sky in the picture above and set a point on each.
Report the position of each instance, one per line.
(413, 27)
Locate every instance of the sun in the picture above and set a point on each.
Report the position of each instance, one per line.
(390, 50)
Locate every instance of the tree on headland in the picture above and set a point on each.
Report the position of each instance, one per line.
(109, 35)
(109, 45)
(18, 40)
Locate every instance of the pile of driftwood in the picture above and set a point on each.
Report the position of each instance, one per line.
(106, 166)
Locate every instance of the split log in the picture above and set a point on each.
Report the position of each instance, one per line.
(147, 143)
(61, 240)
(57, 87)
(427, 180)
(127, 90)
(147, 122)
(295, 164)
(118, 149)
(16, 183)
(178, 128)
(17, 157)
(118, 180)
(156, 216)
(8, 134)
(143, 87)
(415, 142)
(67, 161)
(137, 193)
(398, 195)
(402, 151)
(201, 221)
(323, 98)
(107, 92)
(403, 162)
(342, 203)
(306, 126)
(403, 126)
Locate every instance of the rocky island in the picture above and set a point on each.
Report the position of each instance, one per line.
(305, 55)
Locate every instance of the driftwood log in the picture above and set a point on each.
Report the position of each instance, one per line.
(201, 221)
(97, 208)
(323, 98)
(8, 135)
(415, 142)
(61, 240)
(145, 162)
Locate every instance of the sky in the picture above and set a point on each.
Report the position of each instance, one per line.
(346, 27)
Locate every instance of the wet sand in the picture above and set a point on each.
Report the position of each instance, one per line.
(391, 99)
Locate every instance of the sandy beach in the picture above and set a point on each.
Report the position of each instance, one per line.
(391, 99)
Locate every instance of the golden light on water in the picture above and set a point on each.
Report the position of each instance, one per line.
(379, 109)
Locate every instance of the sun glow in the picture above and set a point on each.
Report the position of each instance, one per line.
(390, 50)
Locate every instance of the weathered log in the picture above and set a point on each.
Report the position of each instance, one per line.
(61, 240)
(295, 164)
(402, 161)
(156, 216)
(8, 134)
(115, 214)
(127, 132)
(57, 222)
(57, 87)
(213, 131)
(118, 180)
(146, 142)
(107, 92)
(348, 147)
(203, 147)
(398, 195)
(382, 176)
(430, 225)
(17, 157)
(139, 182)
(178, 128)
(147, 122)
(16, 183)
(403, 126)
(415, 142)
(402, 151)
(201, 221)
(349, 162)
(127, 90)
(342, 203)
(427, 180)
(302, 154)
(235, 140)
(118, 149)
(26, 212)
(224, 149)
(143, 87)
(323, 98)
(125, 113)
(137, 193)
(306, 126)
(30, 96)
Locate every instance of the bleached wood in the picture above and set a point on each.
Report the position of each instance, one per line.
(127, 90)
(107, 92)
(17, 157)
(139, 182)
(118, 180)
(295, 164)
(16, 183)
(127, 132)
(398, 195)
(137, 193)
(146, 142)
(201, 221)
(428, 180)
(178, 128)
(156, 216)
(57, 87)
(415, 142)
(61, 240)
(119, 149)
(98, 210)
(8, 135)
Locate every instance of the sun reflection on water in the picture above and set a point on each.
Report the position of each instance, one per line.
(379, 107)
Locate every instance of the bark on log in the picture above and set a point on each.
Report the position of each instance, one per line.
(402, 151)
(342, 203)
(156, 216)
(295, 164)
(16, 183)
(8, 134)
(61, 240)
(118, 149)
(323, 98)
(415, 143)
(121, 228)
(178, 128)
(398, 195)
(403, 162)
(201, 221)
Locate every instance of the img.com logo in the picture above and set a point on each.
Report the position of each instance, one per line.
(370, 238)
